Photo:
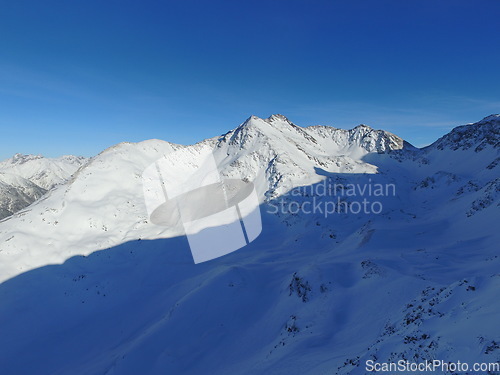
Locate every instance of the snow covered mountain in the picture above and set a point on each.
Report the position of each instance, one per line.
(16, 193)
(25, 178)
(476, 136)
(45, 172)
(91, 286)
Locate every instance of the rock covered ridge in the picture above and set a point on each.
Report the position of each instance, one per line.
(291, 156)
(477, 136)
(362, 136)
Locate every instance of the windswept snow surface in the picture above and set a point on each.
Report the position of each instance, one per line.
(91, 287)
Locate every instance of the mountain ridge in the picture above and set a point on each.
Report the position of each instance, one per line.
(42, 171)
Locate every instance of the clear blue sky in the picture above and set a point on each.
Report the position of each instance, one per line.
(79, 76)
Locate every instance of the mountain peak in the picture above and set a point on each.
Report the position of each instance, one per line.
(277, 121)
(362, 126)
(490, 118)
(270, 120)
(362, 129)
(22, 158)
(252, 120)
(277, 117)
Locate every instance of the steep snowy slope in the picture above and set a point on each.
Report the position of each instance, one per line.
(314, 294)
(45, 172)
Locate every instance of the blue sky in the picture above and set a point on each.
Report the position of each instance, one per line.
(79, 76)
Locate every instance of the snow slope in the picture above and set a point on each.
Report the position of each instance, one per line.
(90, 286)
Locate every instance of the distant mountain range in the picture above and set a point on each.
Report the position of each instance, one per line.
(25, 178)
